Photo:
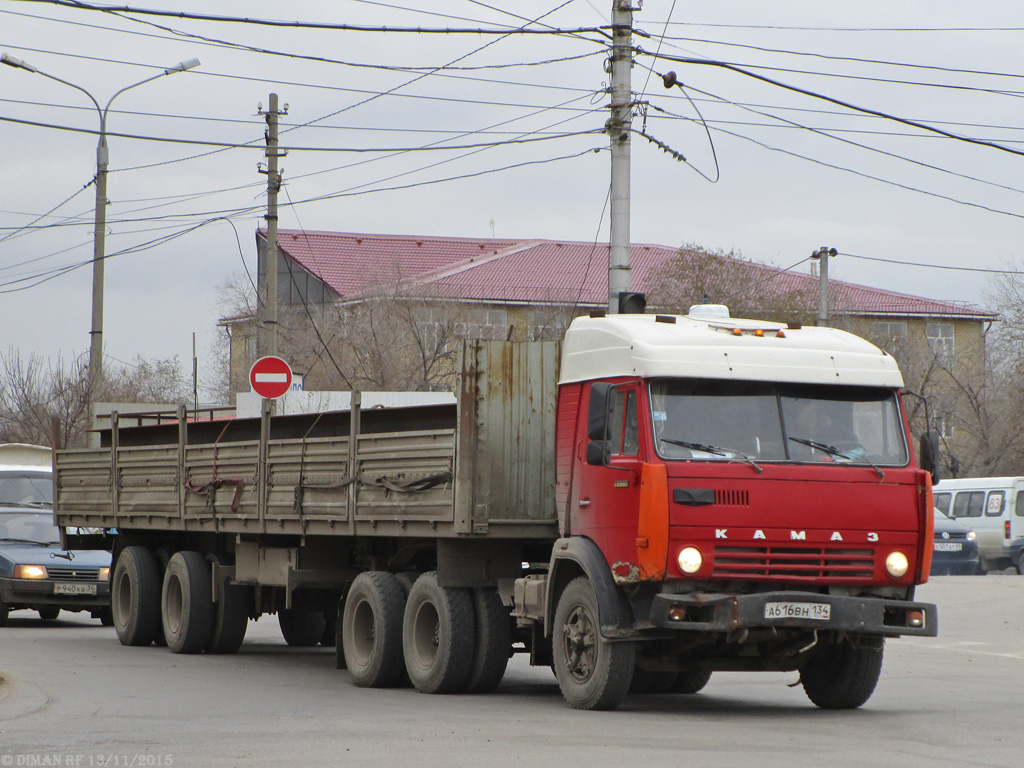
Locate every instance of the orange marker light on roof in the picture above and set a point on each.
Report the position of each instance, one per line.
(759, 332)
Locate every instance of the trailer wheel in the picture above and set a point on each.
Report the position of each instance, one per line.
(135, 596)
(230, 618)
(493, 641)
(371, 630)
(301, 627)
(592, 672)
(690, 681)
(438, 636)
(49, 613)
(187, 609)
(329, 636)
(841, 676)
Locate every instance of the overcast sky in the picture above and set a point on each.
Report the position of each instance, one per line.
(794, 171)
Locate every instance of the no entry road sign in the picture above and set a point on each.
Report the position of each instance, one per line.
(270, 377)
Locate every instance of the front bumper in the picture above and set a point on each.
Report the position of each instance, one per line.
(38, 592)
(707, 612)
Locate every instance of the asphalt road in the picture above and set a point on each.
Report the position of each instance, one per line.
(72, 695)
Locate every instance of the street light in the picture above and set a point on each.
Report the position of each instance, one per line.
(99, 244)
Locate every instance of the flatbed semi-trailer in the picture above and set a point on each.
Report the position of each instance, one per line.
(650, 500)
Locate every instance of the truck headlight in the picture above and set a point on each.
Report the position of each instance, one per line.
(30, 572)
(690, 560)
(897, 564)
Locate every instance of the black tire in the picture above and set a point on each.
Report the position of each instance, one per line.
(493, 641)
(1020, 563)
(371, 630)
(330, 634)
(135, 596)
(647, 681)
(186, 605)
(230, 618)
(841, 676)
(438, 636)
(592, 672)
(690, 681)
(5, 611)
(301, 627)
(49, 613)
(106, 617)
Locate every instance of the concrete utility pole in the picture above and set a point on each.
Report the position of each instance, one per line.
(100, 223)
(619, 65)
(267, 306)
(822, 255)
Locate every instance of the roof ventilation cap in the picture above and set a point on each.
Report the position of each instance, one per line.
(709, 312)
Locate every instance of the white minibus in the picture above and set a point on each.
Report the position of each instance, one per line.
(995, 508)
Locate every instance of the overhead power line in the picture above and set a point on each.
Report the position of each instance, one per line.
(671, 80)
(126, 9)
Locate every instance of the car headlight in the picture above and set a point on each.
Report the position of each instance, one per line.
(971, 535)
(897, 564)
(30, 572)
(104, 574)
(690, 560)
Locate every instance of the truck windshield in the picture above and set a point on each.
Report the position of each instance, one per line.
(764, 421)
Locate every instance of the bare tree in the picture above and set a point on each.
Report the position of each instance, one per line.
(33, 392)
(697, 275)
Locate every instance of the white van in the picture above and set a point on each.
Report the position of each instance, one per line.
(995, 508)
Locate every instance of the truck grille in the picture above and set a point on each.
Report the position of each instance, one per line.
(73, 574)
(789, 562)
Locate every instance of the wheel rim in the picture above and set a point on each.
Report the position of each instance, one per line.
(174, 602)
(122, 598)
(363, 632)
(579, 644)
(425, 635)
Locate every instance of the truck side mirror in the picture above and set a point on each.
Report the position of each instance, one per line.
(597, 415)
(597, 453)
(597, 423)
(928, 455)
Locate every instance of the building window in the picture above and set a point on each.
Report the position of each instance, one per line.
(941, 338)
(894, 330)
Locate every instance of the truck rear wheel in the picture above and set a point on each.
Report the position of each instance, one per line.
(592, 672)
(301, 627)
(230, 618)
(690, 681)
(187, 610)
(371, 630)
(842, 676)
(649, 681)
(493, 641)
(135, 596)
(438, 636)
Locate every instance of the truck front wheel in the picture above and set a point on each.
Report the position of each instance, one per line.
(135, 596)
(187, 608)
(371, 630)
(592, 672)
(843, 675)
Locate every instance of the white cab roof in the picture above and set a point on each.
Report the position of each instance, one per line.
(22, 456)
(693, 346)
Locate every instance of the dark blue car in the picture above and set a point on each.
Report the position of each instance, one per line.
(36, 573)
(956, 547)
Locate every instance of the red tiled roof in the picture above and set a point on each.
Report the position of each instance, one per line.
(536, 271)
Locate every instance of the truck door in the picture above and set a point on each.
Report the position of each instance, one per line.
(606, 497)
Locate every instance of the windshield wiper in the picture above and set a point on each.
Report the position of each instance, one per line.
(30, 504)
(833, 451)
(712, 449)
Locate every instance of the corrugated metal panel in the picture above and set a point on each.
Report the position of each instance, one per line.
(308, 479)
(507, 433)
(405, 475)
(83, 484)
(148, 481)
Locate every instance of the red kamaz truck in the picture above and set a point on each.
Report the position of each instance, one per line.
(655, 498)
